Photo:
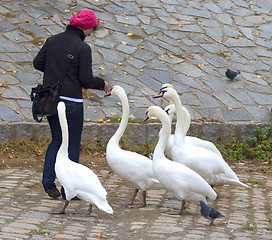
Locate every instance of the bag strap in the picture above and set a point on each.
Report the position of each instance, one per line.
(71, 57)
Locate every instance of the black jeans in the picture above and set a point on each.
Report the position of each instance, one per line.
(74, 115)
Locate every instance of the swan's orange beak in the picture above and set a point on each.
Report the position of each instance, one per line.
(108, 94)
(146, 118)
(158, 95)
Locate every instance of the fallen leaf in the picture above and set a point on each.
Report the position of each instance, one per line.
(101, 68)
(180, 25)
(222, 53)
(154, 118)
(258, 34)
(130, 34)
(125, 73)
(191, 56)
(100, 120)
(123, 14)
(126, 25)
(14, 71)
(96, 154)
(88, 120)
(230, 108)
(200, 64)
(113, 113)
(10, 156)
(119, 64)
(237, 37)
(40, 152)
(124, 43)
(258, 76)
(132, 101)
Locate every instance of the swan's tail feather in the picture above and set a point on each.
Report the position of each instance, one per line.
(212, 195)
(104, 206)
(239, 183)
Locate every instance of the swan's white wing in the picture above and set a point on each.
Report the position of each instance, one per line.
(181, 180)
(132, 167)
(202, 143)
(77, 177)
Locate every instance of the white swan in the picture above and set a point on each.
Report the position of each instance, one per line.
(207, 164)
(77, 179)
(185, 183)
(130, 166)
(170, 110)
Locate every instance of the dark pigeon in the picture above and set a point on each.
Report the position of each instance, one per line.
(209, 212)
(231, 74)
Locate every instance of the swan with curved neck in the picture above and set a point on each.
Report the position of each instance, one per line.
(171, 110)
(185, 183)
(130, 166)
(207, 164)
(77, 179)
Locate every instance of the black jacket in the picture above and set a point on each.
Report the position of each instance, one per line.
(52, 59)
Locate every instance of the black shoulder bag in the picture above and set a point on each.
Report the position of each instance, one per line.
(45, 99)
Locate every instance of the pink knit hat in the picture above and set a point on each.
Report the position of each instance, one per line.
(84, 19)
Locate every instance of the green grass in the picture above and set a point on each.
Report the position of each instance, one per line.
(255, 182)
(248, 227)
(258, 147)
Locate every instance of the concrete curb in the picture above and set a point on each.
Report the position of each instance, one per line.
(98, 134)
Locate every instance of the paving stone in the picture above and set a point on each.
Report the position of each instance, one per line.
(166, 31)
(261, 99)
(236, 115)
(207, 100)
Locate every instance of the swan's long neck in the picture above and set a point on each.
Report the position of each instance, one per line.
(63, 150)
(180, 128)
(163, 137)
(187, 120)
(125, 115)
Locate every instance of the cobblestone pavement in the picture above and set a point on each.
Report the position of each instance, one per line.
(26, 212)
(143, 44)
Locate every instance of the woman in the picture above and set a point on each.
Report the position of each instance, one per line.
(67, 50)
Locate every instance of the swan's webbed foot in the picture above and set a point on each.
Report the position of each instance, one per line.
(90, 209)
(130, 202)
(175, 212)
(135, 206)
(131, 205)
(63, 210)
(172, 212)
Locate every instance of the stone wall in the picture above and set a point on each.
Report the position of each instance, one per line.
(136, 134)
